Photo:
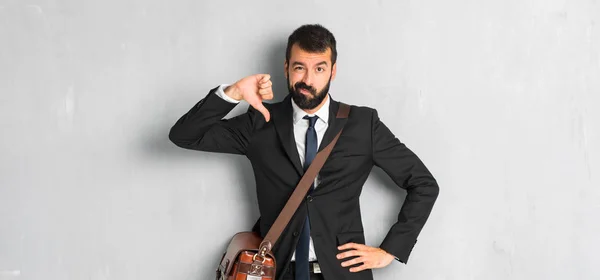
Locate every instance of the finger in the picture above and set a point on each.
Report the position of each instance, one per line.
(351, 253)
(360, 268)
(352, 245)
(266, 94)
(265, 84)
(265, 91)
(266, 97)
(263, 78)
(263, 110)
(353, 261)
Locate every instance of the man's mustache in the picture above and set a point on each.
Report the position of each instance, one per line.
(302, 85)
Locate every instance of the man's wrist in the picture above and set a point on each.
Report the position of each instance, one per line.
(233, 92)
(396, 258)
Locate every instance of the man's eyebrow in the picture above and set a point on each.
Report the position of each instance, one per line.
(302, 64)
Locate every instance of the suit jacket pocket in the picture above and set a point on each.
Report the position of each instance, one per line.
(350, 236)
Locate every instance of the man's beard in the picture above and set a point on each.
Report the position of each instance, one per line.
(306, 102)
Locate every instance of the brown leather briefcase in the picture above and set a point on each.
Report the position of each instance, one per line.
(248, 256)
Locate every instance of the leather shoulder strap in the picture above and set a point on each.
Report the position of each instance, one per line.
(302, 188)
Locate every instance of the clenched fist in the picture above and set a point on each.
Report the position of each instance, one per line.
(254, 89)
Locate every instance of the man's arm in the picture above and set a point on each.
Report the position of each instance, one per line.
(203, 127)
(408, 172)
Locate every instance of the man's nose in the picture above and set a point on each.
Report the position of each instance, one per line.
(307, 79)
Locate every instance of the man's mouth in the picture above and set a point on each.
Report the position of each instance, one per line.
(305, 91)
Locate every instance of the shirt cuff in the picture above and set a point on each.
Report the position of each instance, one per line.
(221, 93)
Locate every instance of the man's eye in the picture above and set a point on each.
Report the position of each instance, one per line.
(298, 68)
(320, 69)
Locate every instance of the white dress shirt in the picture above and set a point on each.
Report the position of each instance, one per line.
(300, 127)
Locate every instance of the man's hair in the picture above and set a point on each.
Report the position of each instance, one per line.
(312, 38)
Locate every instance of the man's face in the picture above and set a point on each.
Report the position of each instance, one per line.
(309, 76)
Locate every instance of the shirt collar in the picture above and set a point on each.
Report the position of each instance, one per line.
(322, 113)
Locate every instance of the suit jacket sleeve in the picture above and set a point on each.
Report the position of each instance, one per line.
(409, 173)
(203, 127)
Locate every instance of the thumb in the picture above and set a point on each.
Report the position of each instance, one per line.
(263, 110)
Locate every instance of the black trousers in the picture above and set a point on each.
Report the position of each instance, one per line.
(290, 273)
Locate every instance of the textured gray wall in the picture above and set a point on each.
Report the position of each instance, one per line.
(499, 98)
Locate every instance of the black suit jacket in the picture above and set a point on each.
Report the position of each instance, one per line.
(333, 207)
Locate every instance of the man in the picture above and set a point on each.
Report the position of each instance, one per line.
(324, 239)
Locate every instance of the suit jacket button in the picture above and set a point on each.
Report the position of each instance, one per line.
(309, 198)
(295, 233)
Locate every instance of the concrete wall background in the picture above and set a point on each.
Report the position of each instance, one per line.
(499, 98)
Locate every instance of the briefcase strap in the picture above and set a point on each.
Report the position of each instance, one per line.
(301, 189)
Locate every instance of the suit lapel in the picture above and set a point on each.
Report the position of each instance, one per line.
(334, 124)
(284, 124)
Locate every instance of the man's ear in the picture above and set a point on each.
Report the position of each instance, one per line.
(333, 71)
(285, 69)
